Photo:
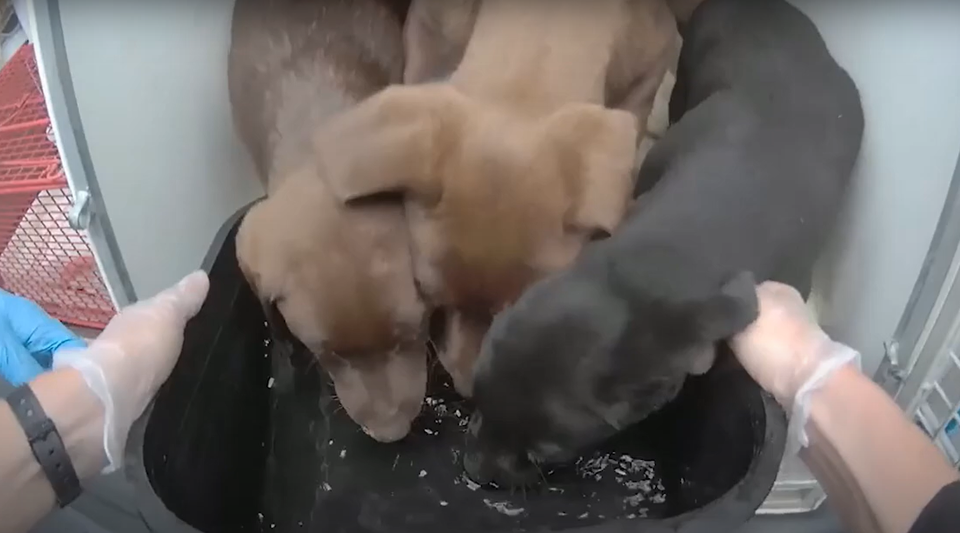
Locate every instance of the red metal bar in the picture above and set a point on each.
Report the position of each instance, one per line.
(25, 125)
(28, 186)
(37, 162)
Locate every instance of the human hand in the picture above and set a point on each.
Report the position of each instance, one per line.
(134, 355)
(29, 338)
(785, 348)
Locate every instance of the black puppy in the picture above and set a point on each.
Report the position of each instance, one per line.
(745, 185)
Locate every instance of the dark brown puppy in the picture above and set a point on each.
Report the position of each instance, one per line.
(341, 277)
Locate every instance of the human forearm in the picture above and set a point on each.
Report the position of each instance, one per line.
(867, 455)
(25, 494)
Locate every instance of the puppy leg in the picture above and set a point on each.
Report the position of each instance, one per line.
(435, 37)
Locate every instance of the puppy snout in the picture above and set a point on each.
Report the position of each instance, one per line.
(387, 431)
(475, 467)
(505, 469)
(381, 420)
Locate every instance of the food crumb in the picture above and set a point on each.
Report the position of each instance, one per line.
(343, 453)
(503, 507)
(429, 431)
(423, 473)
(584, 515)
(470, 483)
(270, 383)
(327, 487)
(443, 503)
(260, 516)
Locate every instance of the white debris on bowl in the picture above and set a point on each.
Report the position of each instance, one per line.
(423, 473)
(327, 487)
(270, 383)
(330, 443)
(429, 431)
(443, 503)
(343, 453)
(584, 515)
(561, 513)
(260, 516)
(503, 507)
(635, 475)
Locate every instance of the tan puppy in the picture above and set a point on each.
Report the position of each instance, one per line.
(646, 47)
(341, 277)
(509, 168)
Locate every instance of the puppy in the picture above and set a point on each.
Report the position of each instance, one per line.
(748, 183)
(341, 278)
(437, 32)
(512, 164)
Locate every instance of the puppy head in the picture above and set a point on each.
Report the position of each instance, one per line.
(348, 299)
(577, 359)
(496, 198)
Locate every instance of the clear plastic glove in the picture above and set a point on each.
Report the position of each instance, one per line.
(134, 355)
(28, 339)
(788, 354)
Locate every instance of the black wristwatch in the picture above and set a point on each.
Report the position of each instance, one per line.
(46, 444)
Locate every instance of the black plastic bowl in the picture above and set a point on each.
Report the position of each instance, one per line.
(238, 440)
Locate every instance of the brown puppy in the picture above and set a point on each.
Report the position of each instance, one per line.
(509, 168)
(437, 32)
(341, 277)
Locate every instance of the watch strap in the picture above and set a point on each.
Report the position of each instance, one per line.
(46, 444)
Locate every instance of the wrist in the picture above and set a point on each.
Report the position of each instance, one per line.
(78, 415)
(810, 355)
(836, 366)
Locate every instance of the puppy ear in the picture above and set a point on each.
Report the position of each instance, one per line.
(730, 311)
(600, 146)
(390, 142)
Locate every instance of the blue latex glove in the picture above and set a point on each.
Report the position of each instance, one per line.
(28, 339)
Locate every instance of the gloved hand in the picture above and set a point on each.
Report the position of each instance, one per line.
(788, 354)
(29, 338)
(134, 355)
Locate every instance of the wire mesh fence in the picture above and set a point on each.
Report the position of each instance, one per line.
(41, 256)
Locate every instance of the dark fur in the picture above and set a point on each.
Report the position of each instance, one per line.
(749, 180)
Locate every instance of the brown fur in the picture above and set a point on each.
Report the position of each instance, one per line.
(341, 277)
(509, 168)
(645, 47)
